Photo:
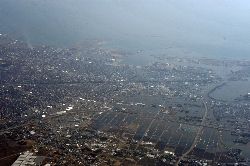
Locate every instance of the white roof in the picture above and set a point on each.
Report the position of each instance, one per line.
(61, 112)
(15, 164)
(23, 155)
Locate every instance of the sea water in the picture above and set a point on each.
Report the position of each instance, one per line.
(203, 29)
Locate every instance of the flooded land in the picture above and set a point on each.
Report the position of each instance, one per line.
(89, 104)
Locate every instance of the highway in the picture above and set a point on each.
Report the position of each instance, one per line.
(197, 135)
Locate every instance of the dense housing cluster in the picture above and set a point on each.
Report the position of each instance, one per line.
(81, 106)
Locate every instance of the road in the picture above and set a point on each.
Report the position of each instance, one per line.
(139, 142)
(197, 135)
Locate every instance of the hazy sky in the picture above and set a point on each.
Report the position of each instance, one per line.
(194, 24)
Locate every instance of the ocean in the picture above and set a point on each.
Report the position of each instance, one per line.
(180, 28)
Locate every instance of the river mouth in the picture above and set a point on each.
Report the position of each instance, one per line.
(230, 91)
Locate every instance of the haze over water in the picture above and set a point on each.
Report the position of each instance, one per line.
(212, 29)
